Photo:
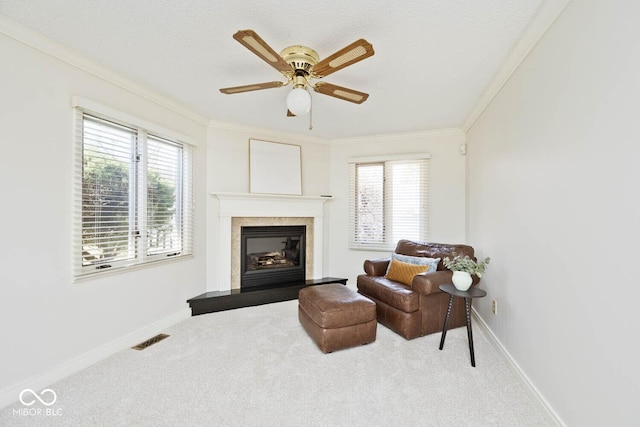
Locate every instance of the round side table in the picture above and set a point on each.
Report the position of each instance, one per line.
(468, 295)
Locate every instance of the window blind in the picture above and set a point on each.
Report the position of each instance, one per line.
(388, 201)
(368, 200)
(164, 213)
(168, 197)
(134, 193)
(107, 192)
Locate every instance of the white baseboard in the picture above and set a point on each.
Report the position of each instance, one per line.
(530, 388)
(11, 394)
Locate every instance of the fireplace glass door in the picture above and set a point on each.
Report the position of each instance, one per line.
(272, 255)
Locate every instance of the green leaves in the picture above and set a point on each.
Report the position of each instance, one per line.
(467, 264)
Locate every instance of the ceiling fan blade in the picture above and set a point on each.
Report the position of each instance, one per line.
(341, 92)
(253, 42)
(249, 88)
(356, 51)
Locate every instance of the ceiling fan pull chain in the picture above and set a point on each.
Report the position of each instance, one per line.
(310, 109)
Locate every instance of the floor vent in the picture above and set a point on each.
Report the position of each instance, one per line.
(150, 341)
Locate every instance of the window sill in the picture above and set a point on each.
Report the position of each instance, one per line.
(124, 269)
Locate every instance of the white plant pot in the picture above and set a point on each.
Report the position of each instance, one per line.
(462, 280)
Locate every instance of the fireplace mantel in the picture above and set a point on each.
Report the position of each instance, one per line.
(269, 205)
(222, 196)
(266, 206)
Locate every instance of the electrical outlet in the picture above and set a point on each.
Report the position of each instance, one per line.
(494, 307)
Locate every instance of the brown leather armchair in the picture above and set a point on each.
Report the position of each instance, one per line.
(418, 309)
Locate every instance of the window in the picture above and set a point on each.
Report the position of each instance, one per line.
(133, 196)
(388, 201)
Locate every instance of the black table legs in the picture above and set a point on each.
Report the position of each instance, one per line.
(446, 322)
(467, 305)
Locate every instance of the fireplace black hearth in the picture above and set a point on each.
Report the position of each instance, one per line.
(272, 255)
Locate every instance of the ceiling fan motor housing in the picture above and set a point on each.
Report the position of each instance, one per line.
(301, 58)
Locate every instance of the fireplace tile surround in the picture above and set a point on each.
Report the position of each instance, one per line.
(238, 209)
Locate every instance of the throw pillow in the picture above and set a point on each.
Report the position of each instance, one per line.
(416, 260)
(404, 272)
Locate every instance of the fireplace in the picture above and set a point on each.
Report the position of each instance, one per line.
(272, 255)
(236, 210)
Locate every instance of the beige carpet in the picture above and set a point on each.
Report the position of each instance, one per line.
(257, 367)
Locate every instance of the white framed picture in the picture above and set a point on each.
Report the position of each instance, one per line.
(274, 168)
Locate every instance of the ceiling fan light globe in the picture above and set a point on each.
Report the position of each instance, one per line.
(299, 101)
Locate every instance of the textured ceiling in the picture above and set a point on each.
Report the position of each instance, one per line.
(433, 58)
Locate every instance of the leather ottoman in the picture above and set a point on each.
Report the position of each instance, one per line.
(336, 317)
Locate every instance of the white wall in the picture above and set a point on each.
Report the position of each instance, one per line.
(553, 199)
(551, 196)
(446, 192)
(228, 172)
(228, 158)
(50, 325)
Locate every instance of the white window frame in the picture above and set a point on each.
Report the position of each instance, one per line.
(138, 197)
(389, 240)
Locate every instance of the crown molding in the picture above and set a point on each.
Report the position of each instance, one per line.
(545, 16)
(71, 57)
(272, 133)
(264, 132)
(437, 133)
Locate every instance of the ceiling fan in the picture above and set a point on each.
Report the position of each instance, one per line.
(300, 65)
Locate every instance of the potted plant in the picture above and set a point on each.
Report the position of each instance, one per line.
(463, 267)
